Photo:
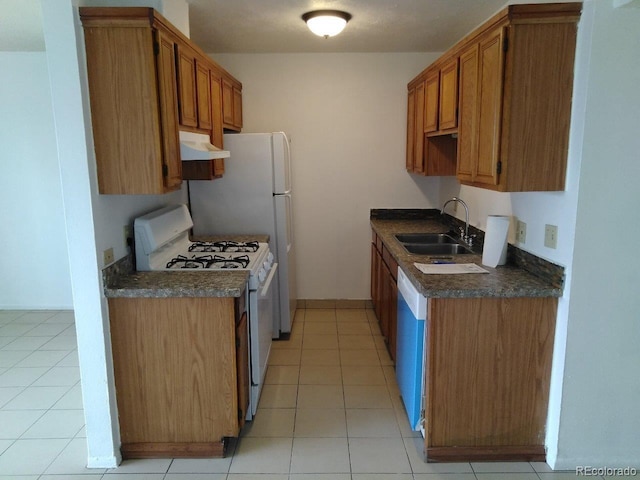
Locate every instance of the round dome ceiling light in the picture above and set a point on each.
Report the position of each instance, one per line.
(326, 23)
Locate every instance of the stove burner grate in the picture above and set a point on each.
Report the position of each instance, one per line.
(208, 261)
(224, 246)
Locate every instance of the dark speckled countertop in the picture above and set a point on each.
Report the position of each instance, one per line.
(522, 276)
(121, 280)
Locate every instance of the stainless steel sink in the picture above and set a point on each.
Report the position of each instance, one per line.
(436, 248)
(432, 244)
(425, 238)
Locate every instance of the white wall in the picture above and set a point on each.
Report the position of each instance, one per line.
(34, 261)
(94, 222)
(600, 417)
(346, 115)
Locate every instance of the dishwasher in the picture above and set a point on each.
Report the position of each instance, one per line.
(410, 353)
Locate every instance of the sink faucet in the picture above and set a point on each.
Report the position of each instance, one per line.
(465, 235)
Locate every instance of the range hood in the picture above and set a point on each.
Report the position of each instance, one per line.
(197, 146)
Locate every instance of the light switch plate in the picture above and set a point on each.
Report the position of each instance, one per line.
(521, 232)
(551, 236)
(107, 256)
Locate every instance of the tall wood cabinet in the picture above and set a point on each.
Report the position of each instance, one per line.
(505, 90)
(147, 81)
(181, 374)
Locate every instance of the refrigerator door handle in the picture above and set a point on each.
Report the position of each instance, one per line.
(287, 187)
(289, 198)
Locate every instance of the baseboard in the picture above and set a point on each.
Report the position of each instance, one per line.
(507, 453)
(173, 450)
(334, 303)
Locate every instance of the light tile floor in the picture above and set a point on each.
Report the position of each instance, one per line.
(330, 410)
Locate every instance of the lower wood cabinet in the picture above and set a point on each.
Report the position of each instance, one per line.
(487, 369)
(487, 375)
(384, 292)
(181, 374)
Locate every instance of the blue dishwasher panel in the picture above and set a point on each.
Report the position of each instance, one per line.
(409, 361)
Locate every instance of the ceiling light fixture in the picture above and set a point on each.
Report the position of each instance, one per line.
(326, 23)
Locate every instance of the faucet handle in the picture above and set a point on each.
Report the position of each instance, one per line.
(470, 239)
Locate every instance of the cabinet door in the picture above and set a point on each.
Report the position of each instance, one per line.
(237, 108)
(448, 95)
(468, 105)
(411, 127)
(166, 67)
(227, 103)
(385, 300)
(432, 92)
(489, 114)
(393, 318)
(376, 264)
(374, 275)
(187, 87)
(204, 96)
(217, 131)
(418, 148)
(242, 364)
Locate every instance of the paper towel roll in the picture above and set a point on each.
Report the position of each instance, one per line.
(495, 241)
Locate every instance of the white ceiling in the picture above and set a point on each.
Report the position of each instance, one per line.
(261, 26)
(275, 26)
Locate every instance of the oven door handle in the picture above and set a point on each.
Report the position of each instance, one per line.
(267, 282)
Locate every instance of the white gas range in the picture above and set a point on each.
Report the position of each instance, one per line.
(162, 243)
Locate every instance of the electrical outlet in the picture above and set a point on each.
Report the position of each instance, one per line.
(126, 230)
(521, 232)
(551, 236)
(107, 256)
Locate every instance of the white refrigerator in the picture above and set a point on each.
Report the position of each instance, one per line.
(254, 196)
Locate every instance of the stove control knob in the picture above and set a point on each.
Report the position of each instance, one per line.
(262, 275)
(267, 265)
(270, 258)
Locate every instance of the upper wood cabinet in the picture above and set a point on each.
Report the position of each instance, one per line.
(411, 127)
(415, 128)
(147, 81)
(203, 94)
(168, 107)
(432, 89)
(231, 104)
(522, 101)
(467, 109)
(448, 95)
(428, 153)
(132, 81)
(187, 86)
(506, 90)
(218, 130)
(489, 107)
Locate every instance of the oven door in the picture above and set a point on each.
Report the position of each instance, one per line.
(260, 327)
